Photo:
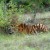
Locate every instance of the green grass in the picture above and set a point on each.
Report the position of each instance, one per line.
(39, 41)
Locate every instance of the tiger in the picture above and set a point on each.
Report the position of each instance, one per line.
(35, 28)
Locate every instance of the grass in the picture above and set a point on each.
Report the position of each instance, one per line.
(39, 41)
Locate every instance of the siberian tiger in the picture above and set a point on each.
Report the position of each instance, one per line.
(34, 28)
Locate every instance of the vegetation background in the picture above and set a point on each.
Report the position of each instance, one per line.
(27, 11)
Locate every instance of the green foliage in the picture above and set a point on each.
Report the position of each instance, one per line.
(13, 7)
(24, 6)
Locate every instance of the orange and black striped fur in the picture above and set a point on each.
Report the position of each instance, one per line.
(30, 28)
(26, 28)
(41, 28)
(21, 27)
(34, 28)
